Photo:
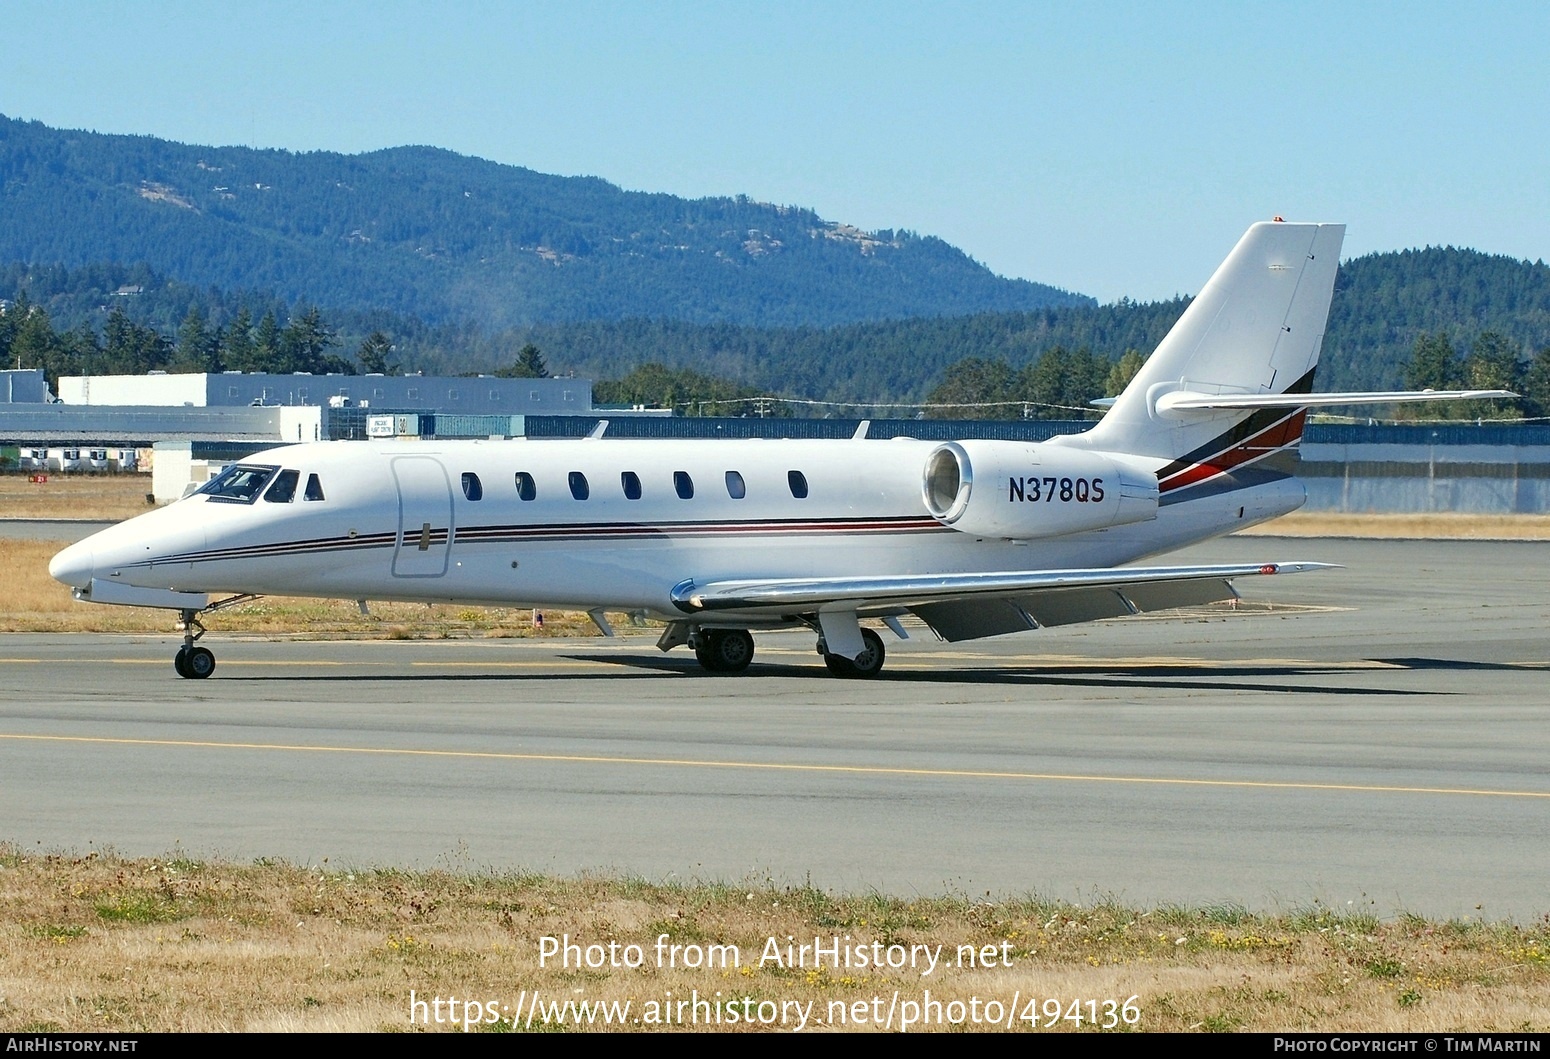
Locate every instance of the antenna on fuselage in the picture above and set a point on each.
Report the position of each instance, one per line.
(597, 431)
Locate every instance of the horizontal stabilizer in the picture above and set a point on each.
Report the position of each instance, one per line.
(1188, 401)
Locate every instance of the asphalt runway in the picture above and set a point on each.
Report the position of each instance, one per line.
(1371, 738)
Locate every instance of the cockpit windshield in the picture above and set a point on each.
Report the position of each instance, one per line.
(240, 483)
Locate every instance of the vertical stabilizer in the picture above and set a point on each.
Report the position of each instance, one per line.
(1255, 329)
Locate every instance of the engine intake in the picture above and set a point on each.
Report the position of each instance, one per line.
(1022, 491)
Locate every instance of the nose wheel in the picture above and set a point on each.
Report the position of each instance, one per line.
(191, 662)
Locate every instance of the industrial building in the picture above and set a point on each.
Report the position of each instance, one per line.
(472, 395)
(199, 422)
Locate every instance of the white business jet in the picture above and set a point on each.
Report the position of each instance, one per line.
(975, 538)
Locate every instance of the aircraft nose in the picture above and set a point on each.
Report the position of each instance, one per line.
(74, 566)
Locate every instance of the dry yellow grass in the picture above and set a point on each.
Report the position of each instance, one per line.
(99, 943)
(1432, 526)
(101, 496)
(35, 602)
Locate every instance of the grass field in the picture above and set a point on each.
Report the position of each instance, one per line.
(35, 602)
(102, 497)
(97, 943)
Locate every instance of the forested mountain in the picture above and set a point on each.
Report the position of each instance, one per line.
(142, 253)
(1383, 304)
(423, 231)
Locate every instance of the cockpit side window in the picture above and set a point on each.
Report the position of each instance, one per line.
(241, 483)
(284, 489)
(314, 488)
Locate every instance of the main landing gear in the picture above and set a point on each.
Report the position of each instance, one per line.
(866, 665)
(724, 650)
(193, 663)
(730, 650)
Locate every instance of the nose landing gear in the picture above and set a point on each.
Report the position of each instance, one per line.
(193, 663)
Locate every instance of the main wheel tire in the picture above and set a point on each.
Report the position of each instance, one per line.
(870, 662)
(725, 650)
(866, 665)
(180, 662)
(840, 667)
(199, 663)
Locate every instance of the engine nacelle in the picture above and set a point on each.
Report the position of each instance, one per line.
(1020, 490)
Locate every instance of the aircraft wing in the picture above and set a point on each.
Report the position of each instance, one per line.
(969, 606)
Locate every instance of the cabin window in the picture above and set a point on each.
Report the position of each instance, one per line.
(238, 484)
(472, 488)
(798, 483)
(314, 488)
(683, 485)
(284, 489)
(578, 486)
(631, 482)
(527, 489)
(735, 487)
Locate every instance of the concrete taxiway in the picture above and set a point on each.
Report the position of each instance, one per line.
(1374, 737)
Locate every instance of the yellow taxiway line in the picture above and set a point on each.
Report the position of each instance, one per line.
(771, 766)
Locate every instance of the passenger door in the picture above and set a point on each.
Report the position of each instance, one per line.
(424, 517)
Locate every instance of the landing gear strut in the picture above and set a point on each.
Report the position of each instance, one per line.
(193, 663)
(868, 664)
(724, 650)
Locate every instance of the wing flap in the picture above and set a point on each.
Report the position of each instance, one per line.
(973, 619)
(970, 619)
(1167, 595)
(1073, 607)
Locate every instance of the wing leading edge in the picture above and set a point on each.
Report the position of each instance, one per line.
(970, 606)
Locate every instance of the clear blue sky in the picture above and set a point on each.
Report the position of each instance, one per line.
(1115, 149)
